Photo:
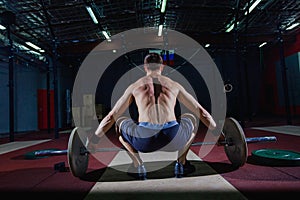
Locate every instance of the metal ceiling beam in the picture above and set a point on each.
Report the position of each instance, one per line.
(16, 32)
(120, 16)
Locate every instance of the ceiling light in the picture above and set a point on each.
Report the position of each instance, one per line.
(163, 6)
(207, 45)
(89, 9)
(34, 52)
(32, 45)
(2, 27)
(262, 44)
(292, 26)
(230, 28)
(106, 35)
(253, 6)
(160, 27)
(23, 47)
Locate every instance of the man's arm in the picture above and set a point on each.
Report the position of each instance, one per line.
(194, 106)
(116, 111)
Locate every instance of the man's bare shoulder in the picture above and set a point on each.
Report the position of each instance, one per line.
(141, 81)
(138, 83)
(168, 82)
(164, 80)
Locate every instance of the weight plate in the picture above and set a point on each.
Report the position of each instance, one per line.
(276, 157)
(78, 162)
(236, 149)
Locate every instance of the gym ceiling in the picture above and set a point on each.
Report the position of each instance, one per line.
(67, 27)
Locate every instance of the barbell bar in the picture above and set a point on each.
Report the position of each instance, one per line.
(248, 140)
(83, 150)
(235, 146)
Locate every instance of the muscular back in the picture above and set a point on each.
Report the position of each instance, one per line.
(155, 98)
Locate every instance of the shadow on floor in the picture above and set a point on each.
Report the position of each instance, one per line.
(119, 173)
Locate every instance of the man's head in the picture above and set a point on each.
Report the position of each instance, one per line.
(153, 62)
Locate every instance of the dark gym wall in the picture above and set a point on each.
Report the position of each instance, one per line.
(28, 79)
(270, 101)
(250, 85)
(66, 77)
(246, 83)
(245, 77)
(4, 108)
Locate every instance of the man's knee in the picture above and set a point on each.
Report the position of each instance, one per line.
(192, 118)
(120, 120)
(121, 139)
(118, 124)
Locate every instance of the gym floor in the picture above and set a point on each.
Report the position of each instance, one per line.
(63, 64)
(214, 178)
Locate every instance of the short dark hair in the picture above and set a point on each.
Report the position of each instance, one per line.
(153, 60)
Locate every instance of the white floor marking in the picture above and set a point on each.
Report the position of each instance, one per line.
(12, 146)
(205, 183)
(286, 129)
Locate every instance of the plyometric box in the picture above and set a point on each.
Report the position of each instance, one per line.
(88, 100)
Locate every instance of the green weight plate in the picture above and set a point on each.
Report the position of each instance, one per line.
(276, 157)
(78, 162)
(236, 149)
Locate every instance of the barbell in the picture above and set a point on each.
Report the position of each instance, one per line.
(235, 146)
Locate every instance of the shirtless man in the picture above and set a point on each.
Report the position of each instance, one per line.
(157, 127)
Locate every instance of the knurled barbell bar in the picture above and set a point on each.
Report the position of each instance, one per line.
(235, 146)
(83, 150)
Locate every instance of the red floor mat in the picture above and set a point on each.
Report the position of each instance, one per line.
(37, 178)
(256, 181)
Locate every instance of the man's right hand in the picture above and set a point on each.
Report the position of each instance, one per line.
(92, 142)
